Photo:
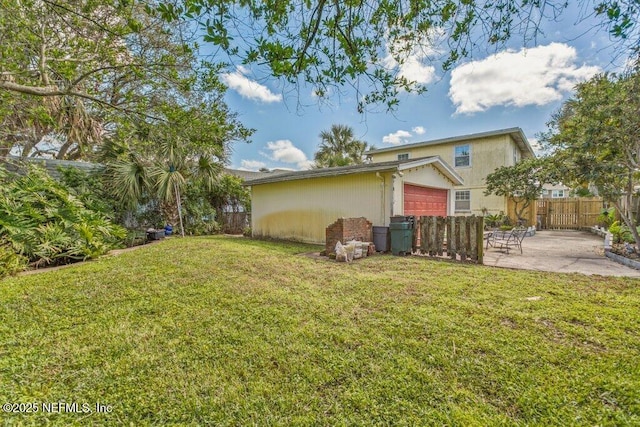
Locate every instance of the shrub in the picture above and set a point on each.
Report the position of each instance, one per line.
(606, 217)
(41, 220)
(621, 233)
(493, 221)
(10, 262)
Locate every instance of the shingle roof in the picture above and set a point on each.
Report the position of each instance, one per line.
(516, 133)
(363, 168)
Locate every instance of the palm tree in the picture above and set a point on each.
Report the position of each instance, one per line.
(339, 148)
(164, 175)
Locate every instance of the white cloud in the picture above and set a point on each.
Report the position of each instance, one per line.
(284, 151)
(248, 88)
(418, 130)
(398, 137)
(252, 165)
(412, 63)
(536, 76)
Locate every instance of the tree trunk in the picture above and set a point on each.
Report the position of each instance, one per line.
(625, 215)
(169, 211)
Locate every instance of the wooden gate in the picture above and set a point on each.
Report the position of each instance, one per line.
(460, 237)
(570, 213)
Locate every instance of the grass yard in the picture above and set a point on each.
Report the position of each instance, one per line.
(228, 331)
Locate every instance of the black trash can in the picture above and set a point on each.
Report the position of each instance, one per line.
(381, 238)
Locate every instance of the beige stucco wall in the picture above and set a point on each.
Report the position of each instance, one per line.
(302, 209)
(487, 154)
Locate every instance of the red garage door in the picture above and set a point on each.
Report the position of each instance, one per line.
(423, 201)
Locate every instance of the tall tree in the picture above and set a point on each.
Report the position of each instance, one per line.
(339, 147)
(596, 139)
(71, 72)
(522, 183)
(158, 160)
(330, 44)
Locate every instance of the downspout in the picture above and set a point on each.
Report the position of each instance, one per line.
(396, 175)
(381, 178)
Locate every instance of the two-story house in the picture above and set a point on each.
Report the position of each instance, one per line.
(440, 177)
(472, 157)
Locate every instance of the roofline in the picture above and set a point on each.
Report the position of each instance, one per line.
(325, 172)
(391, 166)
(516, 133)
(439, 164)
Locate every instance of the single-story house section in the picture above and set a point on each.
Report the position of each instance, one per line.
(300, 205)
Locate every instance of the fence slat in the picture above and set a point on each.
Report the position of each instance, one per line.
(451, 237)
(471, 226)
(440, 227)
(464, 237)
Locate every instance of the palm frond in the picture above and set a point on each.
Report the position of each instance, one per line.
(129, 180)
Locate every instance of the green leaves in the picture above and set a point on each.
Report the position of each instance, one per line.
(596, 138)
(41, 221)
(339, 147)
(521, 182)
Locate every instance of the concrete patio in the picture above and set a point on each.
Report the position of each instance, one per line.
(561, 252)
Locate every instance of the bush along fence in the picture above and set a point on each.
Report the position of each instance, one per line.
(460, 237)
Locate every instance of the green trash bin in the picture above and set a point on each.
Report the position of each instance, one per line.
(401, 238)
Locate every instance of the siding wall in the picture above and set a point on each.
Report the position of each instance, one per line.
(302, 209)
(487, 154)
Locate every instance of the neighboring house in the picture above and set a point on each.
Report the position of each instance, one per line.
(52, 165)
(558, 191)
(300, 205)
(472, 157)
(249, 175)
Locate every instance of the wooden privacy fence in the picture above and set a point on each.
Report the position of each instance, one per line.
(570, 213)
(234, 222)
(460, 237)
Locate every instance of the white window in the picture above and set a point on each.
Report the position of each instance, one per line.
(403, 156)
(462, 156)
(463, 201)
(516, 155)
(557, 194)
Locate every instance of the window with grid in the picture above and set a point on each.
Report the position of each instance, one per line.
(557, 194)
(404, 156)
(462, 156)
(463, 201)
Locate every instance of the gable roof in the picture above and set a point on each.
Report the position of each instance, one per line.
(516, 133)
(391, 166)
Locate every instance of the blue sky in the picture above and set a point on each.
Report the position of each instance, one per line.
(513, 87)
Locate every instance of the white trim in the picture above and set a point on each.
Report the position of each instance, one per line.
(439, 164)
(455, 200)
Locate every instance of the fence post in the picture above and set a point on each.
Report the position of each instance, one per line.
(472, 238)
(462, 233)
(451, 237)
(440, 228)
(480, 239)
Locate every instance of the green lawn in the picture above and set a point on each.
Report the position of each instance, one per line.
(230, 331)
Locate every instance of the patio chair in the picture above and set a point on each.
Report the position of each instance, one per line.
(509, 239)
